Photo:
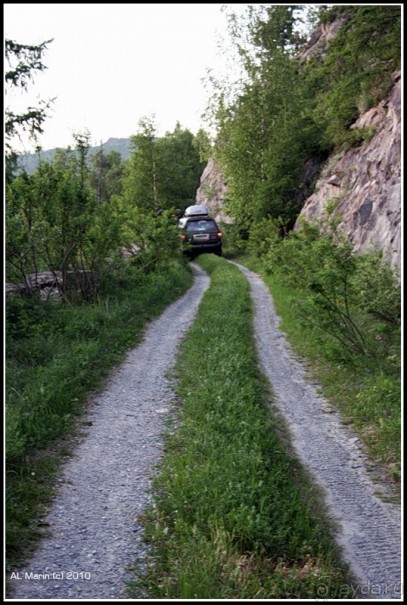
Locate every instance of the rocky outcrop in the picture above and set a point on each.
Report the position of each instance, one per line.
(320, 39)
(363, 184)
(211, 192)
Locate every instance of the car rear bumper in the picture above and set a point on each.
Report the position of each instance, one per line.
(202, 247)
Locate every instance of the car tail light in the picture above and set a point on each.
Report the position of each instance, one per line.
(219, 233)
(183, 237)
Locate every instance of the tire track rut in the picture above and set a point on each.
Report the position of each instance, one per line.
(107, 483)
(369, 531)
(95, 533)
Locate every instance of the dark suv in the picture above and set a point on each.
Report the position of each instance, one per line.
(200, 234)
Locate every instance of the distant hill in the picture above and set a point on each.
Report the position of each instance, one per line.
(29, 161)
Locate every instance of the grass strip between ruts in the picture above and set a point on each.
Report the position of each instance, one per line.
(234, 515)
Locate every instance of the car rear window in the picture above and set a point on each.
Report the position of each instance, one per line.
(203, 225)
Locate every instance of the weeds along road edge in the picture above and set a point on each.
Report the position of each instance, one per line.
(370, 530)
(94, 517)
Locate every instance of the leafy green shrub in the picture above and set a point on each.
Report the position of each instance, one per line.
(339, 289)
(264, 234)
(378, 289)
(234, 239)
(24, 316)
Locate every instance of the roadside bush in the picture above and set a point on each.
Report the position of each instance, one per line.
(263, 236)
(156, 237)
(24, 316)
(235, 239)
(355, 298)
(378, 289)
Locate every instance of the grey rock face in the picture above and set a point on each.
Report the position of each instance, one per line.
(211, 192)
(364, 184)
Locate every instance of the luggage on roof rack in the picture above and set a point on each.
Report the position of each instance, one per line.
(197, 210)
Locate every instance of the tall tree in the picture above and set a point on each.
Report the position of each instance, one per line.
(162, 175)
(143, 168)
(106, 174)
(24, 61)
(266, 134)
(181, 168)
(54, 222)
(163, 172)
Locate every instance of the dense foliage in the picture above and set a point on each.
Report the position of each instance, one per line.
(163, 173)
(54, 222)
(337, 290)
(76, 215)
(289, 110)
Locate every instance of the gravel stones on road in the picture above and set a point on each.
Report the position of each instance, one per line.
(95, 532)
(369, 529)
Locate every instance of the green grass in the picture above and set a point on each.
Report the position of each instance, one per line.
(56, 356)
(234, 515)
(366, 389)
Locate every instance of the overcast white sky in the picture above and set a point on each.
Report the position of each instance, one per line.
(111, 64)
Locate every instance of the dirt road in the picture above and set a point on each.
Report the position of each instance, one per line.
(95, 533)
(368, 528)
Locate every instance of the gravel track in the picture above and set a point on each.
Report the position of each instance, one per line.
(107, 483)
(369, 530)
(95, 533)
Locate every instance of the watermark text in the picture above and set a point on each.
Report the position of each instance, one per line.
(54, 575)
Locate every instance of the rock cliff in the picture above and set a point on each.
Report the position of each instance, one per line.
(211, 192)
(363, 184)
